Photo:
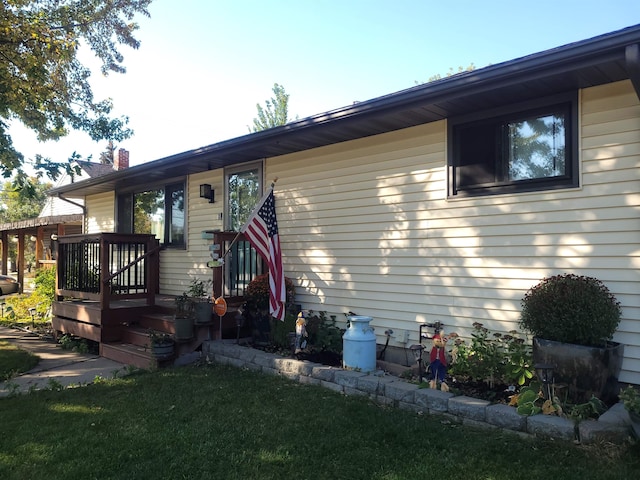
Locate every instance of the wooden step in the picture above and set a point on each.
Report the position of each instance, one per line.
(134, 355)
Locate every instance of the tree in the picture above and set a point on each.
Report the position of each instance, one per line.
(42, 82)
(275, 112)
(24, 203)
(450, 73)
(107, 157)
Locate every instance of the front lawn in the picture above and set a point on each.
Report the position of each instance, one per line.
(210, 421)
(14, 360)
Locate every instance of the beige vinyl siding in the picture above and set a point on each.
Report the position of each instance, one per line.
(100, 216)
(179, 266)
(366, 226)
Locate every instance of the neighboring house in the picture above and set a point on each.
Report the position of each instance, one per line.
(443, 202)
(60, 216)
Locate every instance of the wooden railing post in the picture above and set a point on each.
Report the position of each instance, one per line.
(105, 286)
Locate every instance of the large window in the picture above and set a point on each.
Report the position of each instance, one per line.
(243, 191)
(524, 148)
(158, 211)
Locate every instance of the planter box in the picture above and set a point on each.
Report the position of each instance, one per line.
(585, 370)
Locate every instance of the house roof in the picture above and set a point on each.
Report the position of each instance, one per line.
(604, 59)
(93, 169)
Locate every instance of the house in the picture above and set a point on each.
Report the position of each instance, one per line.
(443, 202)
(59, 216)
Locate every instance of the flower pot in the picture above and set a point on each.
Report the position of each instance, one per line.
(635, 423)
(585, 370)
(202, 312)
(162, 350)
(183, 327)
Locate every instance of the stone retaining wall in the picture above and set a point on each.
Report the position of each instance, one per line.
(613, 426)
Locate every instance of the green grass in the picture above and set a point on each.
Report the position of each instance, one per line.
(14, 360)
(215, 422)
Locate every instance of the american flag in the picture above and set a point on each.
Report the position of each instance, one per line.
(262, 232)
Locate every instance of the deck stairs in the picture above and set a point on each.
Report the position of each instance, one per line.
(133, 346)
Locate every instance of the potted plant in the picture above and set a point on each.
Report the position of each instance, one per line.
(183, 318)
(162, 344)
(200, 300)
(631, 400)
(573, 319)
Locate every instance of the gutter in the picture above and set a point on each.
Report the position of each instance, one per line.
(632, 57)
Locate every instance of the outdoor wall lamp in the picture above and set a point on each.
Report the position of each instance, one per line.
(544, 372)
(207, 192)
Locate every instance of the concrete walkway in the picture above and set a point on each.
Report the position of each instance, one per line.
(56, 365)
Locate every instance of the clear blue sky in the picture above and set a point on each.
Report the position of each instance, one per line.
(204, 64)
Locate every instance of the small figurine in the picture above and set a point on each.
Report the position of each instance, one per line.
(438, 363)
(301, 331)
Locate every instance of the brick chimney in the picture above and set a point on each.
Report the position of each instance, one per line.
(122, 161)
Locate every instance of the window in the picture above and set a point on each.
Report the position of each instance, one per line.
(525, 148)
(243, 192)
(158, 211)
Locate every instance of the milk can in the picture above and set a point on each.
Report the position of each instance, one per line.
(359, 345)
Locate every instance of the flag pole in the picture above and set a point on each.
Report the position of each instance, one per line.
(273, 184)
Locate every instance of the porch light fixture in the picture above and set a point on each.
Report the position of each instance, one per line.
(417, 354)
(207, 192)
(544, 372)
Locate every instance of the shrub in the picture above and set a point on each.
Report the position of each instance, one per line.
(257, 293)
(45, 283)
(571, 309)
(494, 359)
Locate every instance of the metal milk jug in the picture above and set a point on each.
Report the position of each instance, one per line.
(359, 345)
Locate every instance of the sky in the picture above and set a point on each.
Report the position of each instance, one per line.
(204, 65)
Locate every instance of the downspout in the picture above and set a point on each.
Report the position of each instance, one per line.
(632, 57)
(82, 207)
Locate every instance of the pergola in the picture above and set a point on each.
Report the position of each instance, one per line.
(39, 230)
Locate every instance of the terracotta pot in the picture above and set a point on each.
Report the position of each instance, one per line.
(586, 371)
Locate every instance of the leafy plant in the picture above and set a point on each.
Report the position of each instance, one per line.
(159, 338)
(492, 358)
(324, 333)
(571, 309)
(199, 288)
(75, 344)
(631, 399)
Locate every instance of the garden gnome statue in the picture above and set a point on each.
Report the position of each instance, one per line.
(438, 363)
(301, 331)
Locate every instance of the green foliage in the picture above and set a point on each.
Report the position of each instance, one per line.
(24, 202)
(45, 284)
(324, 334)
(275, 113)
(199, 288)
(631, 399)
(257, 293)
(17, 308)
(280, 331)
(492, 358)
(571, 309)
(74, 344)
(44, 84)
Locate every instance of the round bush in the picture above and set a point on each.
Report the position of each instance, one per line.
(571, 309)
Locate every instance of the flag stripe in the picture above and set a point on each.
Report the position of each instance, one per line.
(261, 230)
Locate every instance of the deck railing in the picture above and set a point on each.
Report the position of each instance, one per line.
(108, 266)
(241, 265)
